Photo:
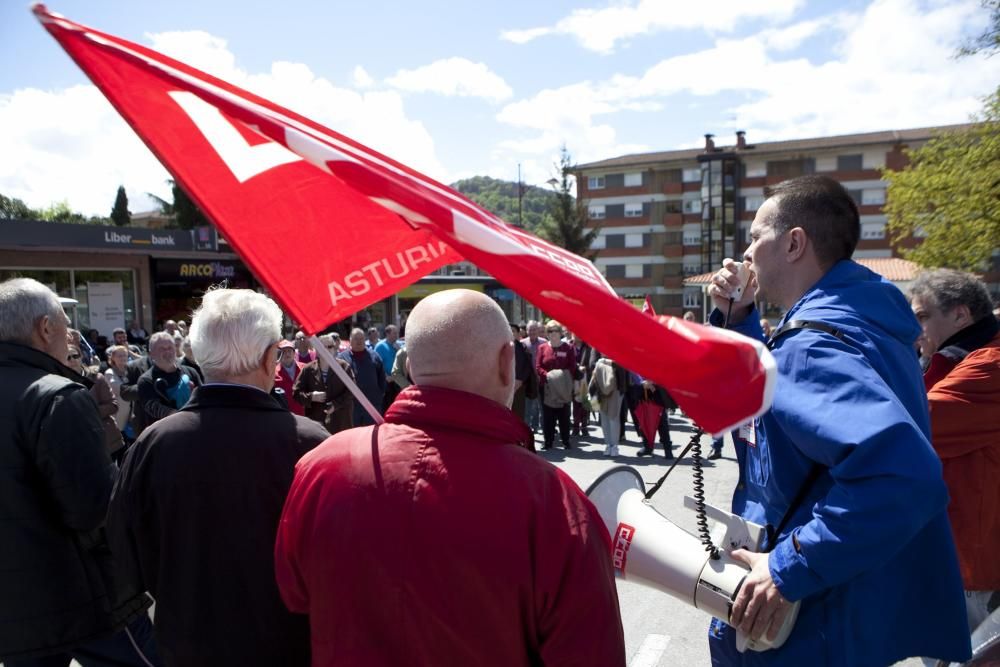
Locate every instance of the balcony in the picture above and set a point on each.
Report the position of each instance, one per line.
(673, 219)
(673, 188)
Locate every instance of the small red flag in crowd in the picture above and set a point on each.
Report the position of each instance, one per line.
(331, 226)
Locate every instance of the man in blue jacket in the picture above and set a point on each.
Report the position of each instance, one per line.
(868, 550)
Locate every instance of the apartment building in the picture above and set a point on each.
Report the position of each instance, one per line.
(669, 215)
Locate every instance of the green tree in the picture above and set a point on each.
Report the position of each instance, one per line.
(565, 223)
(949, 193)
(500, 198)
(12, 208)
(185, 212)
(120, 214)
(989, 40)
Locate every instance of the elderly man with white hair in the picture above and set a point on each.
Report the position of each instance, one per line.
(60, 597)
(438, 537)
(195, 511)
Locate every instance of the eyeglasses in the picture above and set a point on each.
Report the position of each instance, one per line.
(558, 331)
(73, 356)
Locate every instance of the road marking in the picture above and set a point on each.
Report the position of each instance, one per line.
(650, 651)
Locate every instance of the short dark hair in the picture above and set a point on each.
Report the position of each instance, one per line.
(946, 289)
(822, 207)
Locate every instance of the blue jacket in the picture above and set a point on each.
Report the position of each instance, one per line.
(877, 572)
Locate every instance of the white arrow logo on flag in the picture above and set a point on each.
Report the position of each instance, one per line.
(244, 160)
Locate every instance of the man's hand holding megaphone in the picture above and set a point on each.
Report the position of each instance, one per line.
(759, 607)
(733, 289)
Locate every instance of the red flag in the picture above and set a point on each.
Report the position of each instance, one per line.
(375, 225)
(647, 307)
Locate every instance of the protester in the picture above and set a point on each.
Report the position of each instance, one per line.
(107, 404)
(641, 390)
(766, 327)
(386, 349)
(167, 385)
(120, 337)
(61, 596)
(322, 394)
(437, 538)
(608, 385)
(117, 375)
(962, 337)
(195, 511)
(369, 374)
(689, 316)
(373, 338)
(136, 334)
(170, 327)
(304, 353)
(286, 372)
(525, 378)
(399, 373)
(585, 365)
(868, 550)
(556, 368)
(187, 358)
(80, 343)
(533, 406)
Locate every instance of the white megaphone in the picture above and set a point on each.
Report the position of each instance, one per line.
(649, 549)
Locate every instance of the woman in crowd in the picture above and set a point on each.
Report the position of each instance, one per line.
(117, 375)
(325, 398)
(107, 406)
(556, 368)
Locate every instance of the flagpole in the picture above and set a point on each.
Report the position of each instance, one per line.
(331, 361)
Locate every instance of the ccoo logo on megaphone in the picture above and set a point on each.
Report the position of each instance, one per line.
(620, 546)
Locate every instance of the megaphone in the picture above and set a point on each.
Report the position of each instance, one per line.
(649, 549)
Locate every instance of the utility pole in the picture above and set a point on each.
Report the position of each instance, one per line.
(520, 195)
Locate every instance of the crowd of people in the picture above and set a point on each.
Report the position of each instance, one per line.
(226, 470)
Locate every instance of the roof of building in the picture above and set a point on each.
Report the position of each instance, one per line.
(883, 137)
(893, 269)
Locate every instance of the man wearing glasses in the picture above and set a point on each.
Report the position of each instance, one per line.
(195, 510)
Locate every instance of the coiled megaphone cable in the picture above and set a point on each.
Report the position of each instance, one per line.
(693, 446)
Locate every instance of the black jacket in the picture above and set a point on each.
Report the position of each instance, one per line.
(196, 510)
(338, 396)
(57, 589)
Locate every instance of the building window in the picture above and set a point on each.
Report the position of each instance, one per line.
(633, 210)
(692, 206)
(614, 270)
(595, 182)
(692, 298)
(855, 195)
(850, 162)
(753, 202)
(598, 242)
(633, 180)
(634, 240)
(876, 231)
(614, 241)
(873, 197)
(673, 206)
(692, 175)
(634, 271)
(692, 238)
(791, 168)
(596, 212)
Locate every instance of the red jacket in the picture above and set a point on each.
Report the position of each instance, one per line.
(438, 539)
(282, 380)
(549, 359)
(965, 429)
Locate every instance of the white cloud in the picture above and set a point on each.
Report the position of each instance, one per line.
(892, 68)
(453, 77)
(71, 144)
(361, 78)
(601, 29)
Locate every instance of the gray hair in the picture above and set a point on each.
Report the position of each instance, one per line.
(329, 339)
(24, 301)
(947, 289)
(232, 329)
(157, 337)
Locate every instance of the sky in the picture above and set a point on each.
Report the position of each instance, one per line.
(457, 89)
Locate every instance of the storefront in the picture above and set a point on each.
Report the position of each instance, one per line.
(118, 274)
(178, 284)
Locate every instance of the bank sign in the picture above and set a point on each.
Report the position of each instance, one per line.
(33, 233)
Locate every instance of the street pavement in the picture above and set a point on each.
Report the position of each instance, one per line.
(660, 630)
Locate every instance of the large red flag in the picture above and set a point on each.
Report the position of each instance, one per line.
(368, 226)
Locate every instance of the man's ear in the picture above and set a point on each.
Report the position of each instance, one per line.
(506, 361)
(961, 316)
(796, 242)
